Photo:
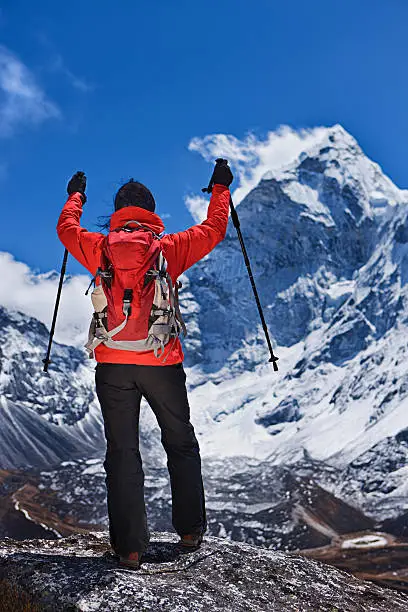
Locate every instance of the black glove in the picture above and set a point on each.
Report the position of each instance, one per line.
(222, 174)
(78, 184)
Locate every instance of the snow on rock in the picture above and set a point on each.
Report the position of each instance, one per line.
(306, 227)
(77, 573)
(45, 418)
(368, 541)
(377, 480)
(328, 240)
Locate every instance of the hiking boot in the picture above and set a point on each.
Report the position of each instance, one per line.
(131, 561)
(191, 541)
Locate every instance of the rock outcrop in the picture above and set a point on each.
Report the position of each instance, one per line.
(79, 573)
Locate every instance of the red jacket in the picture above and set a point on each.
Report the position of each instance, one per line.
(181, 251)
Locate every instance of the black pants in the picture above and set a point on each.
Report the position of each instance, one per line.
(120, 389)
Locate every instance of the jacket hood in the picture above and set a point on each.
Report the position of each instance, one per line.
(135, 213)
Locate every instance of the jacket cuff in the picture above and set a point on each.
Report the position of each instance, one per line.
(220, 188)
(77, 198)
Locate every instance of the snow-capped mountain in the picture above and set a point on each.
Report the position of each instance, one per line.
(44, 418)
(327, 236)
(327, 240)
(307, 228)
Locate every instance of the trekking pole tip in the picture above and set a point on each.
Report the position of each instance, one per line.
(274, 360)
(46, 363)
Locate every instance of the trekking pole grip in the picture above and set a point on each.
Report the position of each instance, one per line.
(218, 162)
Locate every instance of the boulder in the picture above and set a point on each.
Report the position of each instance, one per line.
(80, 573)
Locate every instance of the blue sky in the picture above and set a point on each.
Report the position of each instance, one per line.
(120, 89)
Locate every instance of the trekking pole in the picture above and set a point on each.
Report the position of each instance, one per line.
(47, 360)
(237, 225)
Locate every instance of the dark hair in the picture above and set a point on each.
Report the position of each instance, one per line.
(134, 193)
(131, 193)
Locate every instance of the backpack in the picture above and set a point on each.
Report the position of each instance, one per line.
(136, 305)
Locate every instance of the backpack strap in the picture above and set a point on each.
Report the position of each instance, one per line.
(177, 308)
(99, 334)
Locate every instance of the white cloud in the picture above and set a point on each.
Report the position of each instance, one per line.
(34, 295)
(22, 100)
(251, 158)
(197, 205)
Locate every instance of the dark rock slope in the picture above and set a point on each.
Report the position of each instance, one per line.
(77, 573)
(44, 419)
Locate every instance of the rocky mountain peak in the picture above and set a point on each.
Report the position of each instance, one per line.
(337, 164)
(308, 227)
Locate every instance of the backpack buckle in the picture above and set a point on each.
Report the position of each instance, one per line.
(127, 300)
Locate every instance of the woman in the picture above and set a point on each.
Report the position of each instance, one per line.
(123, 377)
